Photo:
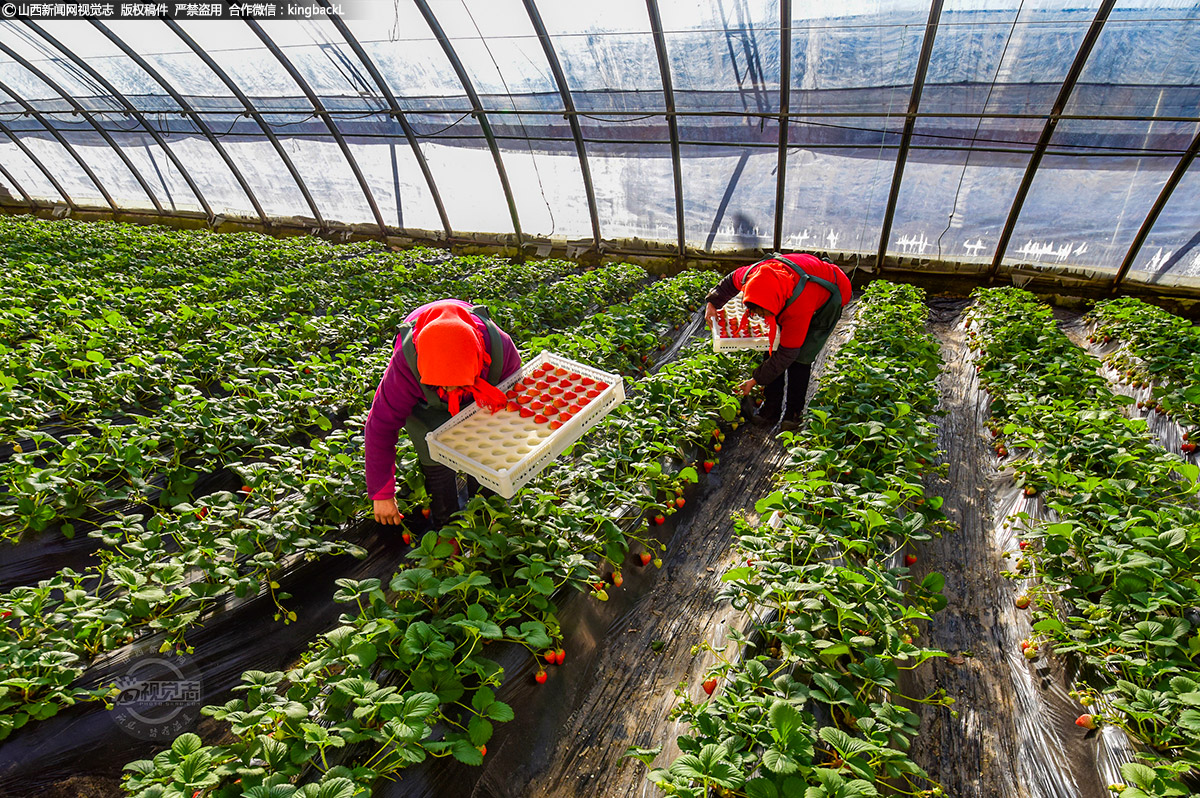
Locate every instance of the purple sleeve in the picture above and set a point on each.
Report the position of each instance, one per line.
(512, 358)
(398, 393)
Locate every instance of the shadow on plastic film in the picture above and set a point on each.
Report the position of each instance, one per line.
(90, 741)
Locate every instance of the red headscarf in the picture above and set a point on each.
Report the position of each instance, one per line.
(451, 356)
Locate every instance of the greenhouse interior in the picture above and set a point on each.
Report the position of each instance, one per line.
(519, 399)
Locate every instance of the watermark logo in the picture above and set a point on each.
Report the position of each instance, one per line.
(159, 697)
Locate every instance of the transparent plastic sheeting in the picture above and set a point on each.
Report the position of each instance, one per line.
(996, 68)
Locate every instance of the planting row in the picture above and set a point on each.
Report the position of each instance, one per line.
(810, 704)
(1114, 544)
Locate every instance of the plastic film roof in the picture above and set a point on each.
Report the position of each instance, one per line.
(997, 133)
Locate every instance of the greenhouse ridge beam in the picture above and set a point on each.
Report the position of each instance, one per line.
(572, 117)
(397, 113)
(130, 109)
(253, 113)
(187, 109)
(319, 107)
(1064, 94)
(476, 111)
(664, 66)
(910, 121)
(89, 116)
(1161, 202)
(785, 101)
(87, 170)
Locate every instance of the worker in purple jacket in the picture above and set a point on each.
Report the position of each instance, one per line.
(447, 352)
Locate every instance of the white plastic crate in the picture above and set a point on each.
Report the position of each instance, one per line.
(506, 449)
(728, 318)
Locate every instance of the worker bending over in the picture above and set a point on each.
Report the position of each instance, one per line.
(447, 354)
(801, 297)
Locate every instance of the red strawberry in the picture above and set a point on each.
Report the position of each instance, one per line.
(708, 466)
(555, 424)
(541, 676)
(717, 448)
(1022, 602)
(660, 519)
(560, 656)
(247, 489)
(407, 538)
(536, 406)
(527, 413)
(551, 657)
(550, 378)
(540, 419)
(513, 406)
(1188, 448)
(1001, 451)
(646, 557)
(203, 511)
(425, 511)
(910, 559)
(483, 750)
(617, 579)
(710, 685)
(680, 502)
(1086, 721)
(561, 371)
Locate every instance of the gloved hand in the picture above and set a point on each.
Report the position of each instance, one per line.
(386, 511)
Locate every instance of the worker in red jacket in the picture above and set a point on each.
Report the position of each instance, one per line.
(800, 297)
(447, 354)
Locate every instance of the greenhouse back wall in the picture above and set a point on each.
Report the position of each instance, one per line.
(533, 399)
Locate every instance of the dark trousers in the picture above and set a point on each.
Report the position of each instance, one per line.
(441, 483)
(796, 376)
